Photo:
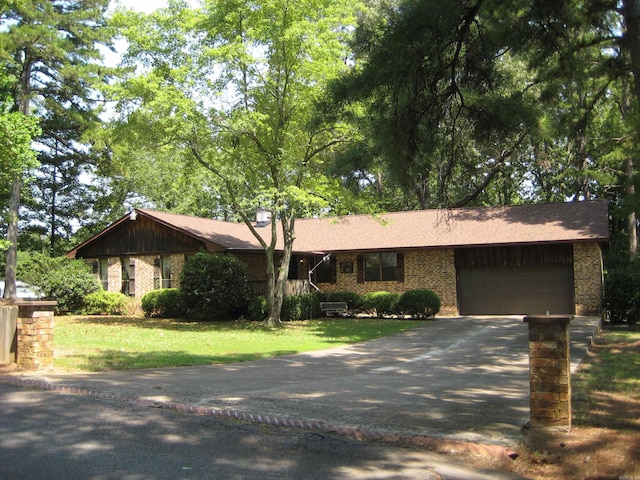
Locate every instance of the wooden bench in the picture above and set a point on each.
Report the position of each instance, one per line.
(330, 308)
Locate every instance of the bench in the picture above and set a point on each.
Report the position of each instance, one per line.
(330, 308)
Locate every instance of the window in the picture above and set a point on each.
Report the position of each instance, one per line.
(162, 272)
(381, 267)
(103, 273)
(294, 273)
(128, 267)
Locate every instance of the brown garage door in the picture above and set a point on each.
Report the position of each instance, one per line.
(515, 280)
(515, 290)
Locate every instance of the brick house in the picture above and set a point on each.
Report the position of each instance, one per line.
(496, 260)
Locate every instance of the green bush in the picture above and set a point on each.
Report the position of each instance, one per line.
(622, 293)
(258, 308)
(61, 279)
(106, 303)
(420, 303)
(301, 307)
(383, 303)
(353, 299)
(215, 286)
(163, 303)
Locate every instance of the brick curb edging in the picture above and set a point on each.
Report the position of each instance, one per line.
(435, 444)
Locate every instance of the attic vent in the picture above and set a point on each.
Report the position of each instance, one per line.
(263, 218)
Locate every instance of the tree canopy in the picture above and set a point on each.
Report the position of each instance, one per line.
(326, 106)
(50, 57)
(231, 87)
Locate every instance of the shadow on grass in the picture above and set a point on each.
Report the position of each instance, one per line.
(179, 324)
(608, 384)
(349, 330)
(118, 360)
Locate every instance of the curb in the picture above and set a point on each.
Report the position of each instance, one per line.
(435, 444)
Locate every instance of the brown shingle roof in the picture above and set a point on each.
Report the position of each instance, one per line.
(228, 235)
(554, 222)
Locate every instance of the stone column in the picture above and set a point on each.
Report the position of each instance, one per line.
(35, 334)
(549, 370)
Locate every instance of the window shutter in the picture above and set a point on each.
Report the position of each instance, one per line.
(360, 266)
(400, 267)
(334, 269)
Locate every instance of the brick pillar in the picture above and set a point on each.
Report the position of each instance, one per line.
(35, 334)
(549, 370)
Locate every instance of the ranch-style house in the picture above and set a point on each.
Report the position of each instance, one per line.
(480, 261)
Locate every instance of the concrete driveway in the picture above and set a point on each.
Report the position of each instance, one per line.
(463, 378)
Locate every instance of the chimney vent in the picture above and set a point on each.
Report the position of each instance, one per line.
(263, 217)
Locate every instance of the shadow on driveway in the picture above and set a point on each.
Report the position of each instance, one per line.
(463, 378)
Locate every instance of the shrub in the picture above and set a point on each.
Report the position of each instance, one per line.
(214, 286)
(622, 293)
(62, 279)
(383, 303)
(420, 303)
(106, 303)
(353, 299)
(258, 308)
(301, 307)
(163, 303)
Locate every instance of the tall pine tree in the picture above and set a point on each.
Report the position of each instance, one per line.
(50, 56)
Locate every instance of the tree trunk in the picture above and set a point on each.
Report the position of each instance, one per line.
(631, 218)
(277, 280)
(22, 103)
(274, 301)
(631, 13)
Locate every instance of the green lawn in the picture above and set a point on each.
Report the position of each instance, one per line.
(607, 387)
(121, 343)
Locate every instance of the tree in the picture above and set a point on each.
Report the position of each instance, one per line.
(233, 86)
(49, 52)
(450, 112)
(587, 57)
(59, 195)
(16, 157)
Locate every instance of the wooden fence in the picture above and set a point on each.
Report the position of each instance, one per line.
(8, 325)
(294, 287)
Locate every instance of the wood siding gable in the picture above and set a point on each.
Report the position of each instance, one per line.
(143, 236)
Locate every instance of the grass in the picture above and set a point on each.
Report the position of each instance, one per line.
(604, 440)
(611, 373)
(124, 343)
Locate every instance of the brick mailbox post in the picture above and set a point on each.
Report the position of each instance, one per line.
(549, 370)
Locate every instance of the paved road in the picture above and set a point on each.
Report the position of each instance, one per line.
(459, 378)
(47, 436)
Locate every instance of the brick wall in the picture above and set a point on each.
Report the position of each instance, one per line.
(435, 270)
(144, 275)
(177, 265)
(256, 265)
(114, 275)
(587, 278)
(431, 269)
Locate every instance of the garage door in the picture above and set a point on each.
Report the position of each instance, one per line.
(513, 280)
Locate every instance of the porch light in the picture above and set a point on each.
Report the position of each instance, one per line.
(133, 215)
